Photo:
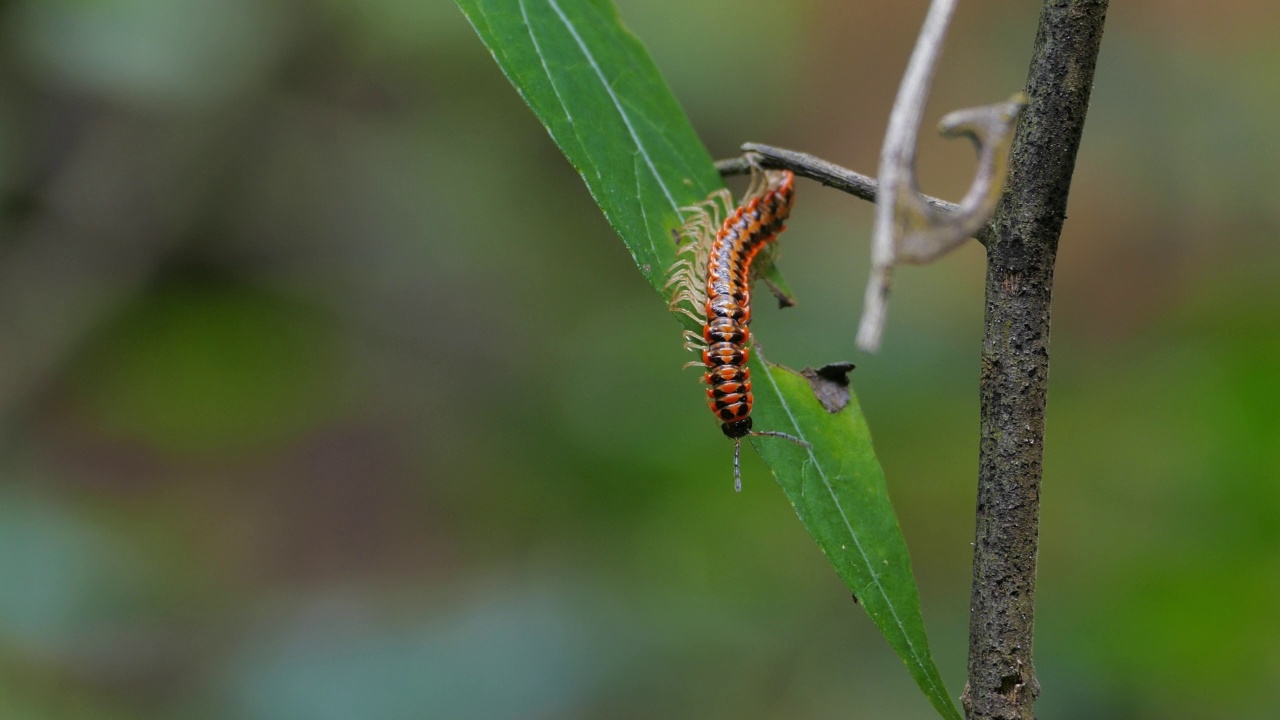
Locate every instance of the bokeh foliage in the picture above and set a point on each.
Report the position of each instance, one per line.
(395, 503)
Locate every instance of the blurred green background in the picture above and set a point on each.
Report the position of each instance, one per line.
(308, 335)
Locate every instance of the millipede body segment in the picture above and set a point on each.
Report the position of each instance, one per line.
(713, 286)
(728, 306)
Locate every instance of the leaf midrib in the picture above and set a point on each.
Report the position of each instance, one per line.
(617, 104)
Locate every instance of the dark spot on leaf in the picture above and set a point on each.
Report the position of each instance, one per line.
(856, 601)
(830, 384)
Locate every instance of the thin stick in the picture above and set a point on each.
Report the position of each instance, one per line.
(828, 173)
(897, 157)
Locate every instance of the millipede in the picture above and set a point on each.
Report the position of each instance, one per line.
(712, 281)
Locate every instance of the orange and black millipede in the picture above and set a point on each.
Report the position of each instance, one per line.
(722, 303)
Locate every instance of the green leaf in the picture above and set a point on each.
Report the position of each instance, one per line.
(594, 87)
(838, 489)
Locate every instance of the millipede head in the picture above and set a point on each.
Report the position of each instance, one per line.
(745, 425)
(737, 428)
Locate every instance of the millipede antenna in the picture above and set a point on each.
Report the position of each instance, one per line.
(737, 473)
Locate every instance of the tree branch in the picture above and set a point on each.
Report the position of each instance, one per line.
(1015, 360)
(827, 173)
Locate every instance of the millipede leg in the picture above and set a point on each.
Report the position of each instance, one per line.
(681, 279)
(726, 199)
(694, 342)
(711, 208)
(701, 220)
(757, 185)
(685, 294)
(683, 265)
(689, 313)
